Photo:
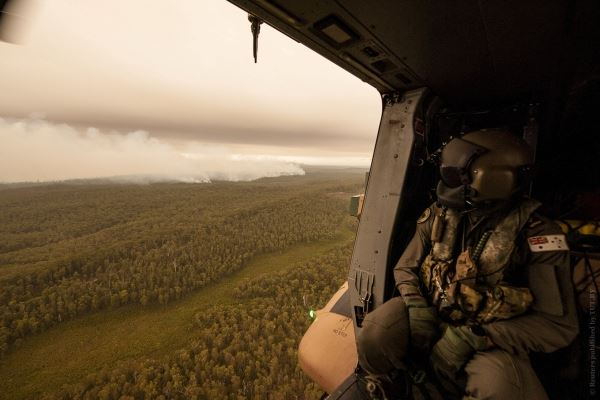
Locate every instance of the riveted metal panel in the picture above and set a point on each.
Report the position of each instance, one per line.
(382, 203)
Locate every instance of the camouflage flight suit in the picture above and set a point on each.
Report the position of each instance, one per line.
(548, 323)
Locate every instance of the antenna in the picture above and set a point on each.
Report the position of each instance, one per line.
(255, 28)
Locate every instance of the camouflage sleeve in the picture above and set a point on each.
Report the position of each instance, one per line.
(551, 323)
(406, 271)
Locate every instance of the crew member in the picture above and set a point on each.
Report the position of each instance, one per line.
(485, 279)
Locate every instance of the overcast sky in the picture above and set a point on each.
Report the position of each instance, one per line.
(174, 74)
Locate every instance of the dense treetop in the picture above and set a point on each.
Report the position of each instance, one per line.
(70, 249)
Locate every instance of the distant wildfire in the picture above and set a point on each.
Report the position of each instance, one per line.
(34, 149)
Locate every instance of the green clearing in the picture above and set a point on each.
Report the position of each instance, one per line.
(71, 351)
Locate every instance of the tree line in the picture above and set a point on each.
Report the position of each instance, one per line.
(176, 239)
(242, 351)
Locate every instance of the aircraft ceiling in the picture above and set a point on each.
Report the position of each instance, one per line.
(466, 51)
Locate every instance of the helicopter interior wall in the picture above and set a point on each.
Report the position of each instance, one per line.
(568, 180)
(471, 51)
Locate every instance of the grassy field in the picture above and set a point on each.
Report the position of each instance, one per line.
(70, 351)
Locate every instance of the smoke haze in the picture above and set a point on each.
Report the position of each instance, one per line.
(183, 71)
(173, 93)
(37, 150)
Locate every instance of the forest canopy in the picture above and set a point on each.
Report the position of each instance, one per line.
(70, 250)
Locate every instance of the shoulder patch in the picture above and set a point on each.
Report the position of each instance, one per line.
(425, 216)
(539, 244)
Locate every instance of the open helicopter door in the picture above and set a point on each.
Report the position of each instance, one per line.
(328, 354)
(392, 158)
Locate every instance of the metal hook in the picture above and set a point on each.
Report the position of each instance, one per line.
(255, 28)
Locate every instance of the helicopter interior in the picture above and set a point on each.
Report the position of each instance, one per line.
(447, 68)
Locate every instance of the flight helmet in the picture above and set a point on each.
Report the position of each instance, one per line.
(482, 168)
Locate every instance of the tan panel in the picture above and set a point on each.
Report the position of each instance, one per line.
(334, 299)
(327, 352)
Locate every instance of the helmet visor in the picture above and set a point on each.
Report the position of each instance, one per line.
(456, 157)
(452, 176)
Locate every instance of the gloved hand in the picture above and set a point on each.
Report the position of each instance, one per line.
(455, 349)
(423, 323)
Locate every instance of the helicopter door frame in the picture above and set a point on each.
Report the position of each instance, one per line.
(383, 202)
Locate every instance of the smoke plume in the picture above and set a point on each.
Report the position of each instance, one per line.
(37, 150)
